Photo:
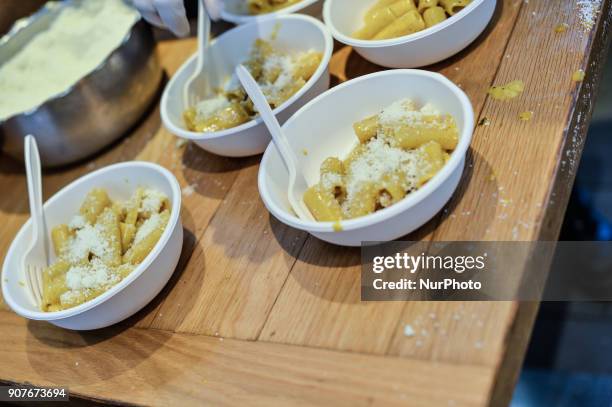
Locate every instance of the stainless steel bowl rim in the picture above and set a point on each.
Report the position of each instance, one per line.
(25, 22)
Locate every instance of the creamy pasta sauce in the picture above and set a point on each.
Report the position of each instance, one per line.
(77, 41)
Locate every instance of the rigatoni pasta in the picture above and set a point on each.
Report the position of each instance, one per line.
(400, 149)
(101, 245)
(279, 74)
(268, 6)
(396, 18)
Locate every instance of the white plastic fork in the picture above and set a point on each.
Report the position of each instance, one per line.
(35, 259)
(297, 182)
(196, 87)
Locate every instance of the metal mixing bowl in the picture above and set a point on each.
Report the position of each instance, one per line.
(95, 111)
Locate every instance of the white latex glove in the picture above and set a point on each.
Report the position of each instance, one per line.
(171, 14)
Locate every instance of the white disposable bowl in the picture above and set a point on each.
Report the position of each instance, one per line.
(323, 128)
(134, 291)
(234, 11)
(426, 47)
(293, 33)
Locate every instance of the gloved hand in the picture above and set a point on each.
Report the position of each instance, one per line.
(171, 13)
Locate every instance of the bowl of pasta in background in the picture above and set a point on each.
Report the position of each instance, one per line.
(237, 11)
(431, 45)
(139, 287)
(312, 131)
(291, 33)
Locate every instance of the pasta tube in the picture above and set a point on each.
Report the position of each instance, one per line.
(108, 226)
(433, 16)
(364, 202)
(441, 129)
(452, 7)
(95, 202)
(366, 129)
(425, 4)
(146, 237)
(322, 204)
(54, 284)
(307, 64)
(392, 189)
(433, 159)
(409, 23)
(128, 232)
(395, 9)
(60, 235)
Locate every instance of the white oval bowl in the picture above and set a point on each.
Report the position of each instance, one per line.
(231, 11)
(134, 291)
(323, 128)
(293, 33)
(434, 44)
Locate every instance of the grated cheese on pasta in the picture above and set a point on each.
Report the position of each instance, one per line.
(285, 65)
(207, 108)
(94, 275)
(377, 161)
(147, 227)
(88, 240)
(403, 112)
(152, 201)
(77, 222)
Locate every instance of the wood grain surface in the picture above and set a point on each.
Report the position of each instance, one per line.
(260, 313)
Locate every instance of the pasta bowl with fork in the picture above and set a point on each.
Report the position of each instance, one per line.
(246, 11)
(407, 33)
(85, 308)
(375, 209)
(225, 123)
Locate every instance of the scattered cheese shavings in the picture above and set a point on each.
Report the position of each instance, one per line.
(77, 222)
(508, 91)
(207, 108)
(377, 161)
(587, 13)
(152, 201)
(561, 28)
(88, 240)
(189, 190)
(149, 225)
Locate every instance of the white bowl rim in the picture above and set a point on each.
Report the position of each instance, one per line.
(138, 270)
(192, 135)
(409, 201)
(236, 18)
(327, 17)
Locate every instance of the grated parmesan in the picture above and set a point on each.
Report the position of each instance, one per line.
(148, 226)
(285, 65)
(77, 222)
(587, 13)
(152, 202)
(94, 275)
(404, 112)
(380, 160)
(207, 108)
(88, 240)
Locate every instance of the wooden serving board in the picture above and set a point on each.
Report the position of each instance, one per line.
(259, 313)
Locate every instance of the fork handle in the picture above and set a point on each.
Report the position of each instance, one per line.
(34, 177)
